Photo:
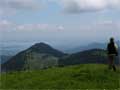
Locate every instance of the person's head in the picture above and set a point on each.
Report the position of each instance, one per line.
(112, 40)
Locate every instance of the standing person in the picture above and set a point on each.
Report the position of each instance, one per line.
(112, 51)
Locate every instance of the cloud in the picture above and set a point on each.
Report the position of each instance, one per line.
(77, 6)
(99, 26)
(42, 27)
(60, 27)
(6, 25)
(10, 26)
(93, 31)
(32, 27)
(69, 6)
(16, 5)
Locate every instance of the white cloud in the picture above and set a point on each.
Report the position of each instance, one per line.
(6, 25)
(77, 6)
(42, 27)
(70, 6)
(33, 27)
(60, 27)
(8, 6)
(18, 4)
(95, 31)
(10, 26)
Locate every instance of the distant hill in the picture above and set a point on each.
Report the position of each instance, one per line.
(88, 56)
(86, 47)
(38, 56)
(42, 56)
(4, 58)
(89, 46)
(46, 49)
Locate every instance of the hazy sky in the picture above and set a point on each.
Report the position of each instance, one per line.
(59, 21)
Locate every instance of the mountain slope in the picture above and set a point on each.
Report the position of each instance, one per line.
(88, 56)
(4, 58)
(38, 56)
(42, 56)
(45, 48)
(88, 76)
(89, 46)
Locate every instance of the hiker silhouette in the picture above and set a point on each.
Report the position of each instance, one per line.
(112, 51)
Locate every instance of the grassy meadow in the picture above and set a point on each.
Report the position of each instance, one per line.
(85, 76)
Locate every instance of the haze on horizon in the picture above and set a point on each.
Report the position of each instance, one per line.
(59, 22)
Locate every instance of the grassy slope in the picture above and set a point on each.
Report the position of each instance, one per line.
(89, 76)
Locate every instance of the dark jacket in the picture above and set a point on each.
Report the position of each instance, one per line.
(112, 49)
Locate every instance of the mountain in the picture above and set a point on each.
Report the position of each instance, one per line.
(4, 58)
(45, 48)
(42, 56)
(38, 56)
(86, 47)
(89, 46)
(88, 56)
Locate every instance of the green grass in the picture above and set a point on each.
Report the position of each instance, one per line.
(87, 76)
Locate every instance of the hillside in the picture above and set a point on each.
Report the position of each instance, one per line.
(89, 46)
(86, 76)
(98, 56)
(42, 56)
(45, 49)
(4, 58)
(38, 56)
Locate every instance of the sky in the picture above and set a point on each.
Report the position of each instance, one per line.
(59, 22)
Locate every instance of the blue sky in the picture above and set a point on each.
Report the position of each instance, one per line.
(59, 22)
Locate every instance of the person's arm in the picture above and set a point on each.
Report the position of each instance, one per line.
(116, 46)
(107, 49)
